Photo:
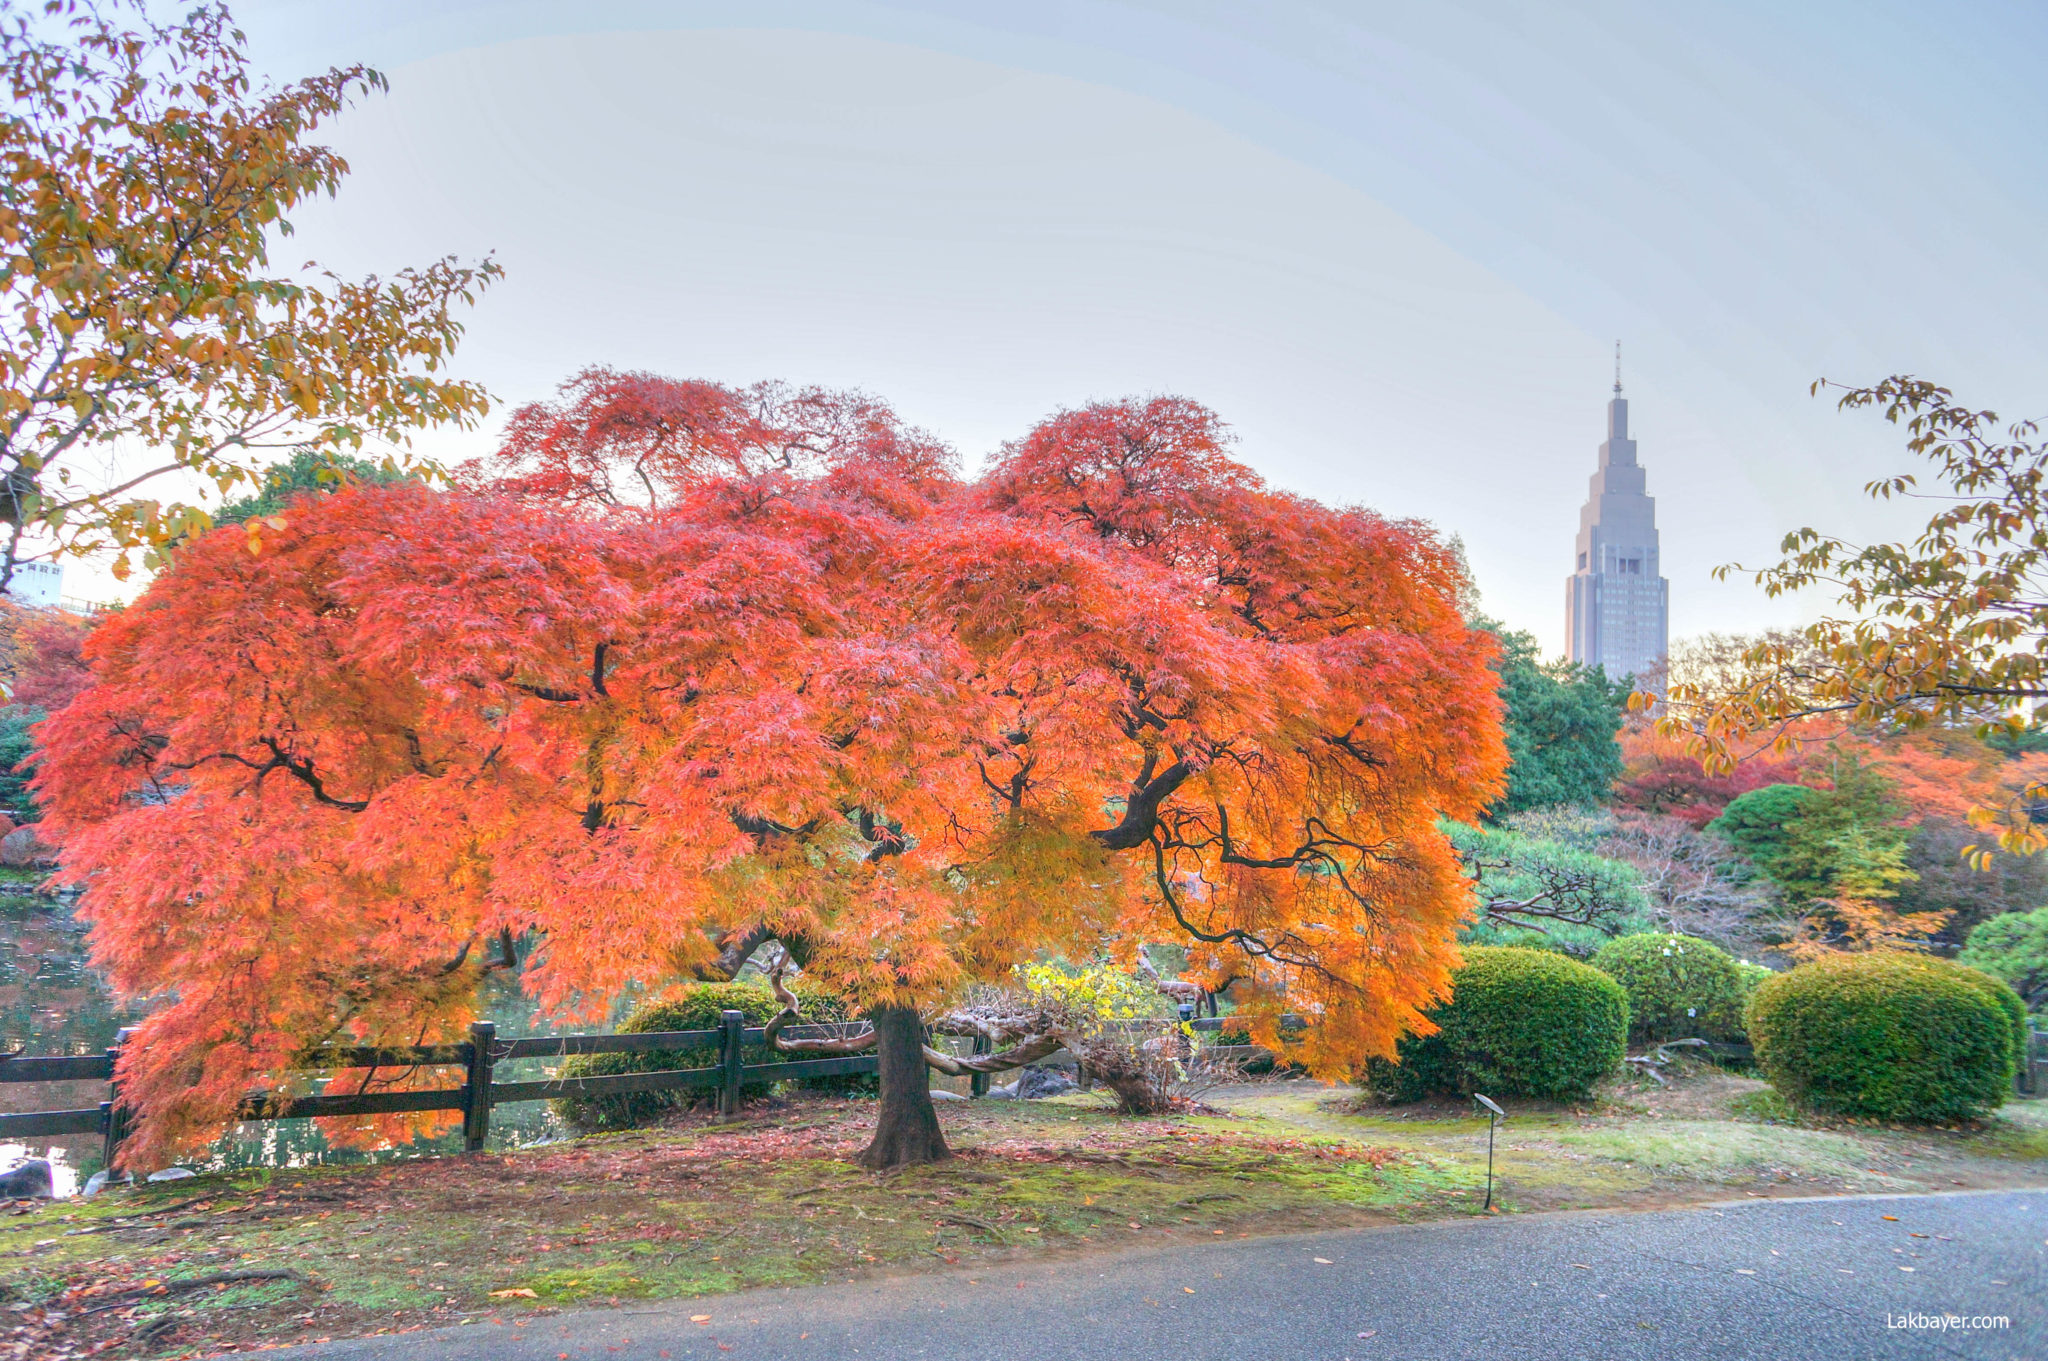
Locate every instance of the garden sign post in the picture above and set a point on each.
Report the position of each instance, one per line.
(1494, 1115)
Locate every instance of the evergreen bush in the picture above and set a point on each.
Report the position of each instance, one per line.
(1677, 986)
(1889, 1036)
(694, 1006)
(1519, 1023)
(2013, 949)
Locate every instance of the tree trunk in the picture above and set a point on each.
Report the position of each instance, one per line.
(906, 1126)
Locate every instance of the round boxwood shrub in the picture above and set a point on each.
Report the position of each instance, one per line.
(1889, 1036)
(1677, 986)
(2009, 1002)
(1519, 1023)
(694, 1006)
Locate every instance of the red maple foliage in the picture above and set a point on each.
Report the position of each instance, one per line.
(690, 663)
(1659, 778)
(46, 654)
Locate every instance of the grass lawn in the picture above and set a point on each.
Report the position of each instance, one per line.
(238, 1261)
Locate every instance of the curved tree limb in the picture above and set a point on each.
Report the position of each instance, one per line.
(996, 1029)
(1192, 993)
(772, 1033)
(736, 949)
(1030, 1050)
(1141, 805)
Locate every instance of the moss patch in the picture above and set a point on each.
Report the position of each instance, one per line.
(691, 1210)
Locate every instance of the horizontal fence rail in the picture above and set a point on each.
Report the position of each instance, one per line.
(478, 1057)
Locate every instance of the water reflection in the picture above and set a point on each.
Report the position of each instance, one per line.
(53, 1003)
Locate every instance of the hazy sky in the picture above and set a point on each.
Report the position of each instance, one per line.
(1392, 244)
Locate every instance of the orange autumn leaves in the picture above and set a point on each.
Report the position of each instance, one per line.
(685, 659)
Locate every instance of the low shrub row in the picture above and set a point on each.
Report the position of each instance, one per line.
(1890, 1036)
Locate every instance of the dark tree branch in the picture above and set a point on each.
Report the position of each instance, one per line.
(1141, 809)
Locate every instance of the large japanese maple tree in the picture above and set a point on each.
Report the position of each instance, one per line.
(686, 668)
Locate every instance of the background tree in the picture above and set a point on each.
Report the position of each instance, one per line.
(43, 654)
(1540, 882)
(1966, 891)
(305, 473)
(42, 667)
(1561, 724)
(1662, 778)
(144, 179)
(1847, 839)
(1949, 630)
(1939, 775)
(810, 687)
(2014, 949)
(1694, 883)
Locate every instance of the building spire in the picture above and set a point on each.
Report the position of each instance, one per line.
(1617, 368)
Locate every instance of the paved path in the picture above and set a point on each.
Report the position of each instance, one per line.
(1808, 1279)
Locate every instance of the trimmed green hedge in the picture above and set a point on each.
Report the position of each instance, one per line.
(1889, 1036)
(1519, 1023)
(1677, 986)
(2000, 992)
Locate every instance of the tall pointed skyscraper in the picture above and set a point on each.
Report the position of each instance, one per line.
(1617, 601)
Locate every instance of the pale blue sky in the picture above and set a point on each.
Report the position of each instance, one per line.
(1392, 244)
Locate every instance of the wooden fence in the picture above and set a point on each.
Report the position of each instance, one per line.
(477, 1058)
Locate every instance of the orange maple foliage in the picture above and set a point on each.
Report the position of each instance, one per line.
(1951, 772)
(709, 659)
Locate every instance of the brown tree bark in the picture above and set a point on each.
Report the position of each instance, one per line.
(906, 1126)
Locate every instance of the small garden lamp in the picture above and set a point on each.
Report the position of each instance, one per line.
(1494, 1115)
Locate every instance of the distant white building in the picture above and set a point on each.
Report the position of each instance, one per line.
(1617, 603)
(39, 585)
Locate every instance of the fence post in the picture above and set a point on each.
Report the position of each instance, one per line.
(116, 1125)
(476, 1086)
(732, 1023)
(978, 1084)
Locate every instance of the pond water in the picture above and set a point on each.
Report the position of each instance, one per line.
(52, 1002)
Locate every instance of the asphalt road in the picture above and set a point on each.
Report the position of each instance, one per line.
(1816, 1279)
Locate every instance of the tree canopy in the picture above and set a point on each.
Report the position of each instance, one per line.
(1542, 884)
(144, 180)
(1845, 840)
(1948, 630)
(1561, 724)
(305, 471)
(2014, 949)
(690, 666)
